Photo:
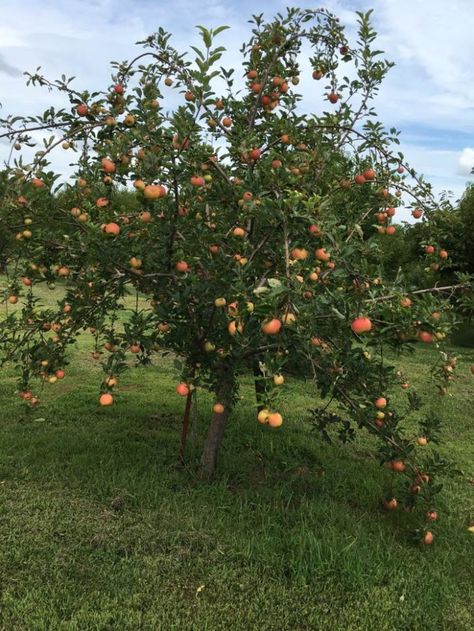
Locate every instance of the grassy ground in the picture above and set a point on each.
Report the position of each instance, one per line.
(100, 529)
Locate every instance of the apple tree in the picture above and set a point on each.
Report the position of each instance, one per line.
(248, 219)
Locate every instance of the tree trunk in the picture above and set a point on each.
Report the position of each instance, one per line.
(259, 386)
(217, 426)
(185, 428)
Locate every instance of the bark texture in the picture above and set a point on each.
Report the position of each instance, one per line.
(215, 433)
(185, 428)
(259, 387)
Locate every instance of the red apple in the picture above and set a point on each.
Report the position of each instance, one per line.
(361, 325)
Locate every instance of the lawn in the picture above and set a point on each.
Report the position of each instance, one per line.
(100, 528)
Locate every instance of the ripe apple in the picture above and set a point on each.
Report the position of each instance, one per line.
(112, 229)
(398, 465)
(152, 191)
(144, 216)
(233, 309)
(322, 255)
(182, 389)
(299, 254)
(218, 408)
(107, 165)
(220, 302)
(106, 399)
(271, 327)
(361, 325)
(63, 271)
(275, 419)
(359, 179)
(426, 337)
(235, 327)
(381, 403)
(333, 97)
(428, 538)
(197, 180)
(255, 154)
(278, 380)
(82, 109)
(181, 266)
(135, 262)
(391, 504)
(262, 416)
(422, 441)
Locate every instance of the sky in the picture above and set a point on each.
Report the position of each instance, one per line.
(428, 95)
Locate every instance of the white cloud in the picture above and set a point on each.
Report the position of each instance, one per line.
(466, 161)
(433, 82)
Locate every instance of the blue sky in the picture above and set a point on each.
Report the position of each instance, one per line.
(429, 95)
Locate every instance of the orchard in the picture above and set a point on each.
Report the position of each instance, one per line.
(253, 238)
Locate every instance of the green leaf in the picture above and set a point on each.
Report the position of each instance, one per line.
(198, 52)
(219, 29)
(274, 282)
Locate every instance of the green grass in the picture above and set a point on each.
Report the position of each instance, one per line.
(101, 529)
